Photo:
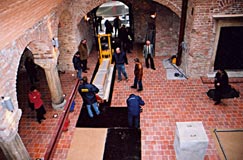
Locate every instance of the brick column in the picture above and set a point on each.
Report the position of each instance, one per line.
(10, 141)
(53, 80)
(55, 87)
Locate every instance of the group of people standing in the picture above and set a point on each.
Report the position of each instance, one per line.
(89, 91)
(80, 59)
(120, 59)
(134, 102)
(123, 35)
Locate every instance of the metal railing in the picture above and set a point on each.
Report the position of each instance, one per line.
(52, 145)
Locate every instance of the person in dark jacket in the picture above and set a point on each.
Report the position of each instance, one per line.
(123, 36)
(148, 53)
(83, 54)
(88, 93)
(221, 84)
(108, 27)
(120, 58)
(77, 63)
(116, 24)
(138, 73)
(134, 104)
(30, 67)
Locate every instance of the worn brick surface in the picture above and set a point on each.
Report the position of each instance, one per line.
(34, 23)
(167, 102)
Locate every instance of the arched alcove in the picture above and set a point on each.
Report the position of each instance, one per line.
(29, 74)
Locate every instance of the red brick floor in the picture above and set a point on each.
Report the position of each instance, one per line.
(167, 102)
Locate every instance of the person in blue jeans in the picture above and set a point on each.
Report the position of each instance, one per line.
(120, 59)
(88, 93)
(77, 64)
(134, 104)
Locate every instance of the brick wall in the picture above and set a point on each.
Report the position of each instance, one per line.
(200, 35)
(66, 39)
(38, 37)
(19, 16)
(167, 31)
(167, 25)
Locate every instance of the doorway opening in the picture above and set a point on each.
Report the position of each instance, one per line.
(108, 12)
(229, 55)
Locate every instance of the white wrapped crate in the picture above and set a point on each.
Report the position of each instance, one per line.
(191, 141)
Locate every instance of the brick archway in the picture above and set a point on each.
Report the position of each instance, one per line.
(40, 50)
(223, 4)
(39, 47)
(82, 8)
(174, 6)
(39, 41)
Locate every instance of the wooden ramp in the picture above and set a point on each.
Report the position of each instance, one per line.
(87, 144)
(229, 143)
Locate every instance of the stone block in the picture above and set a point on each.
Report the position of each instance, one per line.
(105, 66)
(190, 141)
(100, 81)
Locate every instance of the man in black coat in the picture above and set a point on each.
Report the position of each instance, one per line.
(77, 64)
(221, 84)
(30, 67)
(123, 36)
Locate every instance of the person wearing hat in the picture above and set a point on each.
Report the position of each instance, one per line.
(138, 73)
(88, 93)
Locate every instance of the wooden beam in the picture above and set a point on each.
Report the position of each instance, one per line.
(182, 31)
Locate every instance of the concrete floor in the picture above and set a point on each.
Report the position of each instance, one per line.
(167, 102)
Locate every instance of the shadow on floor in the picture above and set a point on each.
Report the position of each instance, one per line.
(123, 144)
(110, 117)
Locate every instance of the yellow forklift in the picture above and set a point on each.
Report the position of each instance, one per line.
(103, 76)
(105, 49)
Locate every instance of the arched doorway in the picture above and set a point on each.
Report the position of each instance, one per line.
(29, 74)
(109, 11)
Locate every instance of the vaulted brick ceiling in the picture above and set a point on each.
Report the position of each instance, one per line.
(18, 15)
